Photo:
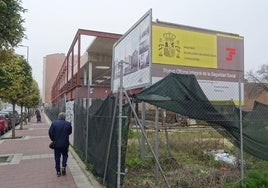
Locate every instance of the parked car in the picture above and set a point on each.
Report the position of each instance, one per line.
(3, 125)
(10, 112)
(7, 118)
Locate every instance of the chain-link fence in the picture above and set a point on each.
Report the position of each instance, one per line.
(185, 151)
(176, 137)
(207, 151)
(53, 111)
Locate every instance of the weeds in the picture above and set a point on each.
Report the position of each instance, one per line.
(187, 165)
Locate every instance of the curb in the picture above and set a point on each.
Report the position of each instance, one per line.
(82, 166)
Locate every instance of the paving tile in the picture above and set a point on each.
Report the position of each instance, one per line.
(31, 162)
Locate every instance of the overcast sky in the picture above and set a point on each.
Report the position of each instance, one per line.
(52, 24)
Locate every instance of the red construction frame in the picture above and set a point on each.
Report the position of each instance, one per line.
(65, 86)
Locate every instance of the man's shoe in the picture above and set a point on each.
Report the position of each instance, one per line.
(63, 171)
(58, 173)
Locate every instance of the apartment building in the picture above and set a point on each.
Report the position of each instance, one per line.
(51, 66)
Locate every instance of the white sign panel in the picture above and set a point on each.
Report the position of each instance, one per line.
(132, 56)
(70, 117)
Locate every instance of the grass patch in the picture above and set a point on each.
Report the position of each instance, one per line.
(256, 178)
(184, 162)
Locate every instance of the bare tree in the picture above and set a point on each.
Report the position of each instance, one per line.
(258, 80)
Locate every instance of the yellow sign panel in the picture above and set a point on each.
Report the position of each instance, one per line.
(182, 47)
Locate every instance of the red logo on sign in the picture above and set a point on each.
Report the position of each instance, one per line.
(231, 53)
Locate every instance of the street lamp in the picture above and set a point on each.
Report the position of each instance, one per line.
(28, 63)
(27, 52)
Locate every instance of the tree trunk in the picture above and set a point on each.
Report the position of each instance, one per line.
(13, 120)
(21, 117)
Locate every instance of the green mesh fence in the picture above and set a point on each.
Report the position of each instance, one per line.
(182, 94)
(101, 139)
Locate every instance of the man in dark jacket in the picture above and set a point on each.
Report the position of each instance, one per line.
(59, 132)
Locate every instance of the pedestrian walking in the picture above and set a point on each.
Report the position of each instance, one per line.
(38, 115)
(59, 132)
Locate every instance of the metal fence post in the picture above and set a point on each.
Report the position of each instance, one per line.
(241, 134)
(142, 137)
(156, 142)
(120, 125)
(87, 100)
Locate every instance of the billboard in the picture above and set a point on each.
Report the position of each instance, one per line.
(132, 56)
(215, 58)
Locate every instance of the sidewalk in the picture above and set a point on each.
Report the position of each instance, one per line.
(27, 161)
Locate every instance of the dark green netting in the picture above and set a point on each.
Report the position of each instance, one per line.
(100, 127)
(182, 94)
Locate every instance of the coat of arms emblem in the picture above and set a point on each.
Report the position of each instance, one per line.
(168, 46)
